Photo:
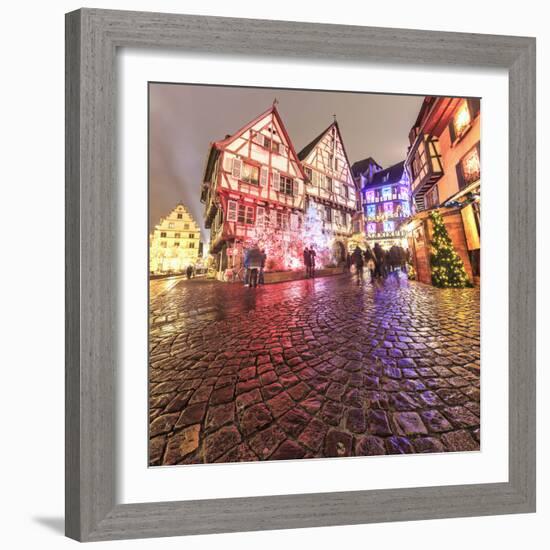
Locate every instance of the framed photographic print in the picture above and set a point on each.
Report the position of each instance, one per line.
(278, 312)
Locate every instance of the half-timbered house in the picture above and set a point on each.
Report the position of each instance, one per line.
(330, 188)
(253, 192)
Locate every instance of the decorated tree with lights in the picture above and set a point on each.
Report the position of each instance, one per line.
(313, 235)
(447, 267)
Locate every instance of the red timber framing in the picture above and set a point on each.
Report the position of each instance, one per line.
(255, 169)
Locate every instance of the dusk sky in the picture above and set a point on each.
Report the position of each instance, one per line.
(184, 119)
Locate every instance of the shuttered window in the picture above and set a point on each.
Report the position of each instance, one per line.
(231, 211)
(260, 216)
(236, 169)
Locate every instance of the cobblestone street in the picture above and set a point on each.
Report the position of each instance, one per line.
(311, 368)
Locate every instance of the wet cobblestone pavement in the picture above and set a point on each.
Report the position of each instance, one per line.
(311, 368)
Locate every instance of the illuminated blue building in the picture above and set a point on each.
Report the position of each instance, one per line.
(386, 201)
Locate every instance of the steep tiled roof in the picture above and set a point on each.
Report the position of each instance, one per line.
(390, 175)
(361, 165)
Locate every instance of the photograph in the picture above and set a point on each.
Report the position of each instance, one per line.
(314, 274)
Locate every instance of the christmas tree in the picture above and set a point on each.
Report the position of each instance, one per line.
(447, 267)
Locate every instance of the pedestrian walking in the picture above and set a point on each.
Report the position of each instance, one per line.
(307, 261)
(254, 264)
(312, 255)
(261, 280)
(370, 261)
(379, 260)
(189, 271)
(358, 262)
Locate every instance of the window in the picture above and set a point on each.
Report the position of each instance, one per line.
(336, 164)
(250, 173)
(468, 169)
(346, 191)
(286, 185)
(463, 118)
(163, 244)
(328, 184)
(186, 226)
(369, 196)
(371, 210)
(328, 214)
(191, 245)
(389, 227)
(432, 197)
(371, 228)
(176, 244)
(309, 174)
(406, 210)
(271, 144)
(177, 235)
(180, 216)
(281, 219)
(231, 211)
(191, 235)
(245, 214)
(388, 208)
(163, 234)
(386, 193)
(260, 216)
(403, 194)
(171, 225)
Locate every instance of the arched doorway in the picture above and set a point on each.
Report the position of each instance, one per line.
(339, 251)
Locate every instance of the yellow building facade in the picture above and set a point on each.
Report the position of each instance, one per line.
(174, 243)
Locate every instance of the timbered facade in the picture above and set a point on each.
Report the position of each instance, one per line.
(330, 188)
(386, 201)
(444, 163)
(253, 187)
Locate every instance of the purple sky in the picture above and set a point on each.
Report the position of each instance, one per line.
(184, 119)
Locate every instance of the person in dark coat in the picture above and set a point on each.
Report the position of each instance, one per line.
(379, 260)
(307, 261)
(255, 259)
(370, 260)
(312, 255)
(358, 262)
(262, 267)
(189, 271)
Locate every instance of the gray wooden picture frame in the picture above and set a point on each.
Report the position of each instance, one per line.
(92, 39)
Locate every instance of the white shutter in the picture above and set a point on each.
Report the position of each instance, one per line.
(276, 180)
(264, 173)
(231, 211)
(237, 166)
(293, 221)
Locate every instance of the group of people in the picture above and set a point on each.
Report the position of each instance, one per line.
(379, 262)
(254, 264)
(309, 261)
